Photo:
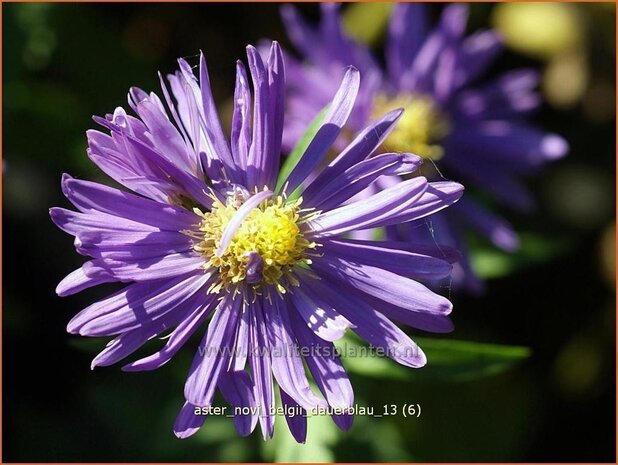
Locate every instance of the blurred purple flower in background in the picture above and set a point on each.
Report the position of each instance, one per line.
(476, 133)
(210, 230)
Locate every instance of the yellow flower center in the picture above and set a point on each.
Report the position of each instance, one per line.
(420, 127)
(264, 248)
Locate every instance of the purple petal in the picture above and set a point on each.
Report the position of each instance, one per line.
(401, 262)
(377, 210)
(90, 197)
(276, 84)
(338, 46)
(338, 112)
(261, 368)
(358, 177)
(241, 342)
(343, 421)
(287, 365)
(420, 75)
(237, 389)
(120, 162)
(418, 320)
(128, 342)
(123, 246)
(145, 269)
(135, 305)
(241, 118)
(454, 19)
(439, 251)
(296, 423)
(444, 81)
(260, 153)
(407, 29)
(304, 39)
(321, 318)
(476, 54)
(325, 365)
(195, 188)
(371, 325)
(187, 422)
(75, 223)
(212, 123)
(437, 196)
(210, 359)
(513, 145)
(496, 229)
(78, 280)
(363, 145)
(178, 337)
(165, 136)
(384, 285)
(208, 119)
(507, 97)
(172, 108)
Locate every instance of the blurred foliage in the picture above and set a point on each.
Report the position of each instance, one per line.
(607, 254)
(63, 63)
(448, 360)
(489, 262)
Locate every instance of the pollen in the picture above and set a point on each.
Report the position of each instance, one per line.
(419, 129)
(265, 247)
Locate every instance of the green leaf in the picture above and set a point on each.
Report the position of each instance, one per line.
(298, 151)
(91, 345)
(357, 360)
(447, 360)
(488, 262)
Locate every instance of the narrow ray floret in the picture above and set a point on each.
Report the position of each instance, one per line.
(474, 131)
(206, 238)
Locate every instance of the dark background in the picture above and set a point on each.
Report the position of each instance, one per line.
(63, 63)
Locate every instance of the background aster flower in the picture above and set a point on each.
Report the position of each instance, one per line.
(209, 232)
(477, 133)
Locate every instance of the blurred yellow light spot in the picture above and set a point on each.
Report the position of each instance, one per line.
(566, 78)
(579, 366)
(365, 22)
(538, 29)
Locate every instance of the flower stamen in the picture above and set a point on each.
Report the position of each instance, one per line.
(253, 242)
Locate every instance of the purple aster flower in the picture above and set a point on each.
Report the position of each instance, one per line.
(208, 234)
(476, 133)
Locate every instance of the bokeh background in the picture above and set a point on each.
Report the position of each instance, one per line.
(554, 300)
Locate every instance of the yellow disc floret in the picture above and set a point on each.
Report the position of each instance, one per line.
(420, 127)
(270, 235)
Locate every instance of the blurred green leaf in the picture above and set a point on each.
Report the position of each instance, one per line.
(447, 360)
(91, 345)
(351, 350)
(455, 360)
(299, 150)
(322, 435)
(365, 22)
(489, 262)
